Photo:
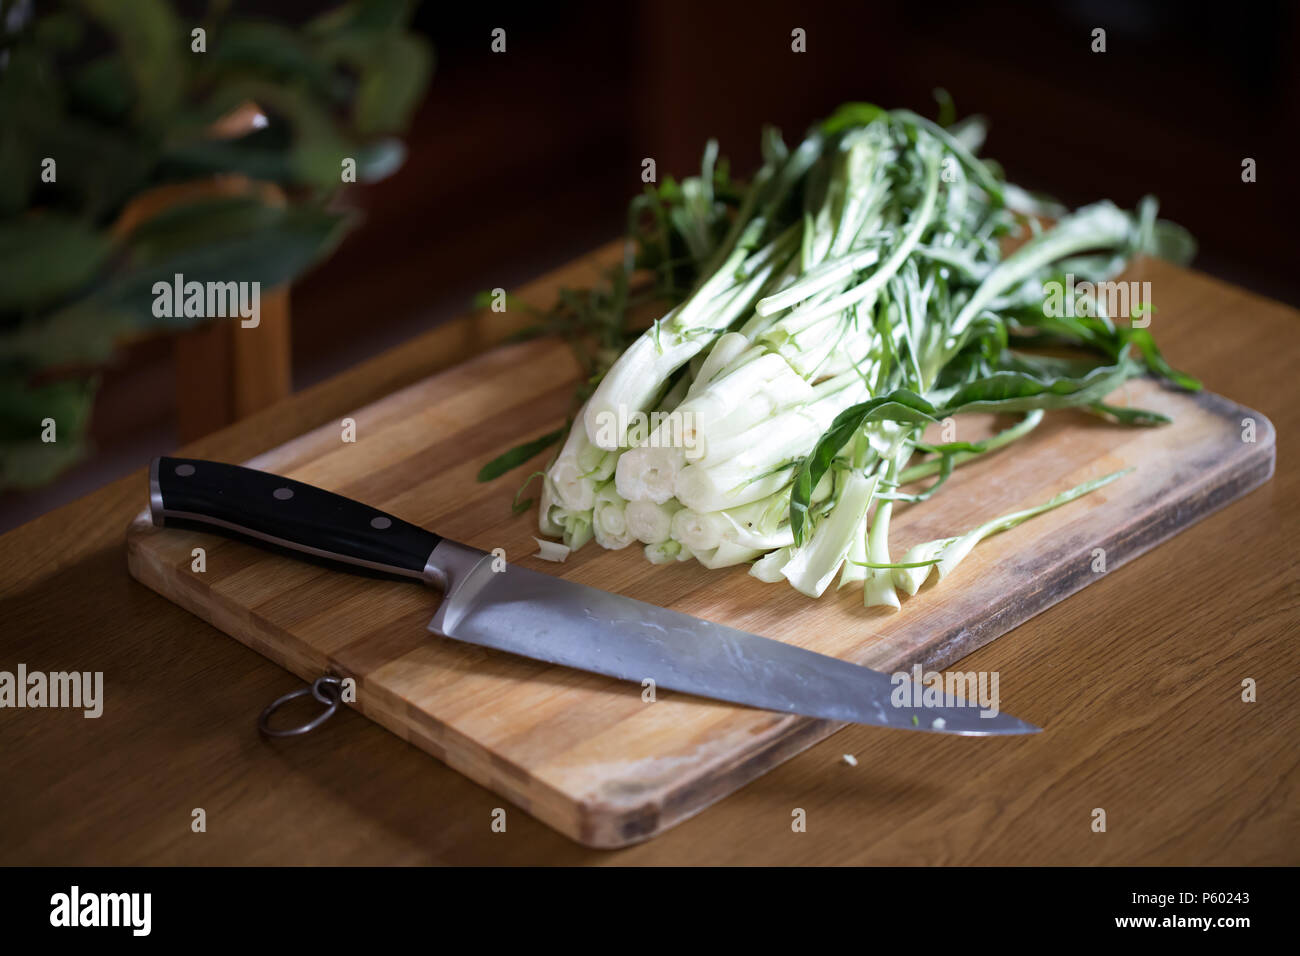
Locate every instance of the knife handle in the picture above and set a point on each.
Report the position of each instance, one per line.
(286, 514)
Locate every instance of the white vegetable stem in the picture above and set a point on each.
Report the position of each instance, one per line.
(748, 392)
(651, 522)
(664, 552)
(761, 452)
(866, 291)
(609, 519)
(637, 377)
(814, 564)
(769, 567)
(546, 522)
(725, 555)
(578, 469)
(951, 551)
(649, 474)
(729, 346)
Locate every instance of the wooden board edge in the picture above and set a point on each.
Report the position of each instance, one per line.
(601, 822)
(611, 824)
(555, 809)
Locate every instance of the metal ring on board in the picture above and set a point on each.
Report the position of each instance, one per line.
(330, 698)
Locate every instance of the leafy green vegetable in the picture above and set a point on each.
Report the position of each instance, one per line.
(518, 455)
(813, 323)
(899, 405)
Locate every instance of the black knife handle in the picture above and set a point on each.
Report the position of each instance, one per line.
(286, 514)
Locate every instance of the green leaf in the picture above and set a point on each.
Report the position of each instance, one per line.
(1009, 391)
(153, 48)
(80, 334)
(518, 455)
(363, 16)
(947, 109)
(317, 147)
(1162, 238)
(393, 78)
(1130, 416)
(103, 88)
(850, 115)
(272, 249)
(62, 31)
(975, 166)
(16, 165)
(193, 224)
(1173, 243)
(98, 165)
(25, 460)
(1155, 361)
(273, 164)
(264, 156)
(44, 258)
(899, 405)
(269, 245)
(273, 51)
(23, 407)
(30, 464)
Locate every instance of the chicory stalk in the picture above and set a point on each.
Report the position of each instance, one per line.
(814, 564)
(638, 375)
(651, 522)
(649, 473)
(947, 553)
(576, 525)
(664, 552)
(698, 530)
(705, 491)
(866, 291)
(953, 553)
(576, 471)
(857, 295)
(757, 524)
(769, 567)
(878, 590)
(546, 523)
(728, 347)
(855, 562)
(765, 447)
(726, 555)
(734, 401)
(609, 519)
(917, 564)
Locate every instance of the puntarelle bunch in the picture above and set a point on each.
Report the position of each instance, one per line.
(853, 293)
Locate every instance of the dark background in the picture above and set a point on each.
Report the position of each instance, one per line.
(523, 160)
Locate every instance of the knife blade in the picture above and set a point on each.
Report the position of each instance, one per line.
(546, 618)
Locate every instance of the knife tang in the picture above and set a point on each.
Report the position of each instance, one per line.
(287, 514)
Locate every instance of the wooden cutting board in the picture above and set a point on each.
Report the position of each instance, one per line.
(585, 753)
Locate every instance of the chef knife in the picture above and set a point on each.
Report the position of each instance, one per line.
(544, 617)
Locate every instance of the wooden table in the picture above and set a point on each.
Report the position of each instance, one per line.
(1138, 681)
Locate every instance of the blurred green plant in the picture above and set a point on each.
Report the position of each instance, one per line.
(122, 99)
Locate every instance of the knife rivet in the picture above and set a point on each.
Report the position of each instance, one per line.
(284, 494)
(184, 470)
(381, 522)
